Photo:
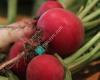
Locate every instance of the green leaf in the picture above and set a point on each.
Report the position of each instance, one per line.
(3, 78)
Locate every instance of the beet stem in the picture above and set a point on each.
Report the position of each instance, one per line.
(91, 24)
(96, 56)
(91, 16)
(84, 59)
(68, 75)
(60, 59)
(87, 9)
(88, 2)
(86, 55)
(80, 10)
(82, 50)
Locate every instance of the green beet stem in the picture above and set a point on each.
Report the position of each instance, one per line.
(96, 56)
(82, 50)
(87, 9)
(91, 24)
(60, 59)
(88, 2)
(68, 75)
(84, 59)
(91, 16)
(80, 10)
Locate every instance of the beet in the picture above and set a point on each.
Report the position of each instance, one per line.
(71, 36)
(20, 67)
(45, 67)
(18, 47)
(48, 5)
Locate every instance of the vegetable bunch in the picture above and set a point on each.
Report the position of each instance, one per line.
(45, 53)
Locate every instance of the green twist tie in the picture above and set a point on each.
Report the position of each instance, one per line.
(39, 50)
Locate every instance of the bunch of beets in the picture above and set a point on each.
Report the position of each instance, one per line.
(67, 52)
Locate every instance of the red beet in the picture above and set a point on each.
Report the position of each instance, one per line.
(71, 36)
(18, 47)
(20, 66)
(45, 67)
(48, 5)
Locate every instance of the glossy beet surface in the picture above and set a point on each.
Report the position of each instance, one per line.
(45, 67)
(70, 37)
(48, 5)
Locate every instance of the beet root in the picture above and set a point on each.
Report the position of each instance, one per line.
(20, 66)
(45, 67)
(70, 38)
